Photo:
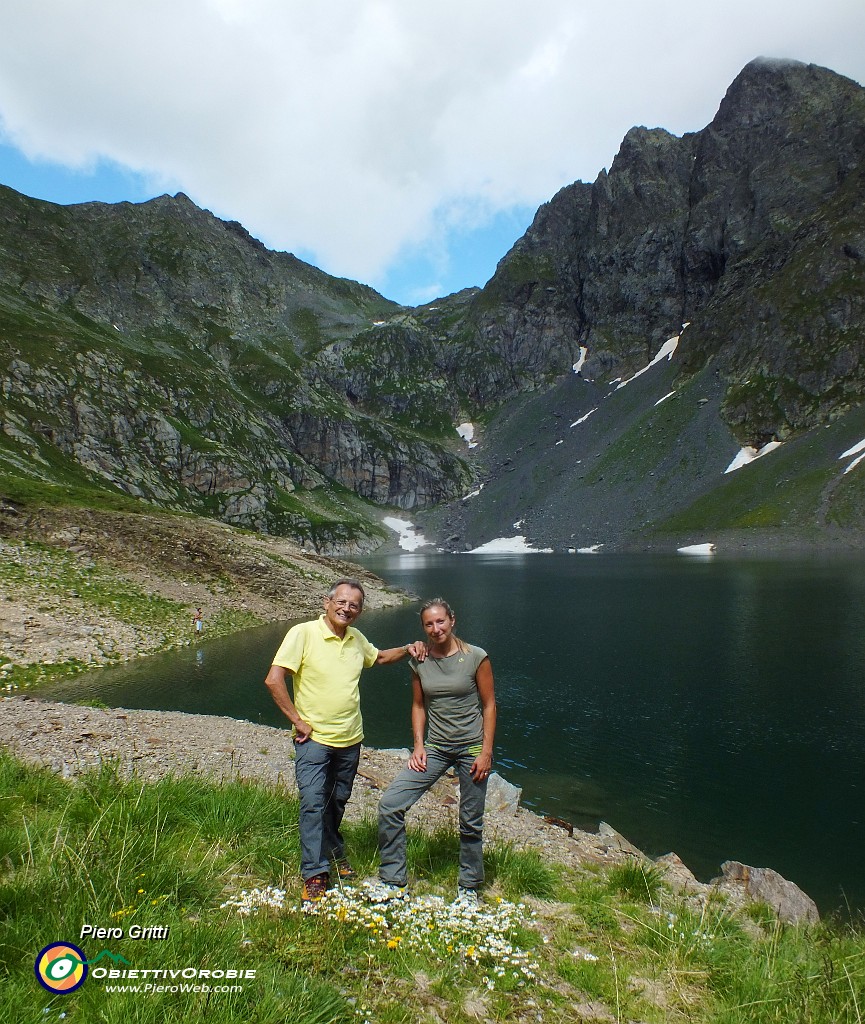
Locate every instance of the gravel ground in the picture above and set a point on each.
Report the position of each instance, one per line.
(71, 739)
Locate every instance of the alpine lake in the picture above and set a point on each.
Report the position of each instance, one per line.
(714, 707)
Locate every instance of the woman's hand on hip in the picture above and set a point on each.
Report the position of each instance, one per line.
(482, 767)
(417, 761)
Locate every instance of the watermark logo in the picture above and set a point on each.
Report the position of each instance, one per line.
(61, 967)
(115, 957)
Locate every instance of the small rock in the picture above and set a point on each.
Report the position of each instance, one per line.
(617, 841)
(502, 796)
(678, 875)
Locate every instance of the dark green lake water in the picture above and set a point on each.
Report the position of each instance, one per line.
(715, 708)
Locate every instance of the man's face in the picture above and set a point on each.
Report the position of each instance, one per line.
(343, 608)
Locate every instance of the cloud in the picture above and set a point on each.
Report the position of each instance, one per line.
(357, 130)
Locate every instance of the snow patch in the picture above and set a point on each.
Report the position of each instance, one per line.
(467, 433)
(749, 454)
(583, 419)
(703, 550)
(507, 546)
(409, 538)
(664, 399)
(665, 352)
(858, 450)
(472, 494)
(578, 365)
(592, 549)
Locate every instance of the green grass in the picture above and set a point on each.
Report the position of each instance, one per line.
(26, 490)
(54, 570)
(636, 879)
(115, 852)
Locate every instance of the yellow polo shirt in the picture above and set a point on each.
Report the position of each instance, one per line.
(326, 670)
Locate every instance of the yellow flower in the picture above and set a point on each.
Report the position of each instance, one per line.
(141, 890)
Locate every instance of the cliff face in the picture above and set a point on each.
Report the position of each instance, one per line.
(161, 352)
(750, 229)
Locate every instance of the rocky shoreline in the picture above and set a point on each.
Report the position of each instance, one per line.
(72, 739)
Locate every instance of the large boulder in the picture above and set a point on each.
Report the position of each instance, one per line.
(764, 885)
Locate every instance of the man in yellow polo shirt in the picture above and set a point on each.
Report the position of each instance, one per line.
(325, 658)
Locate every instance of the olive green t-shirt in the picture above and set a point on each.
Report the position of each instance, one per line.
(453, 708)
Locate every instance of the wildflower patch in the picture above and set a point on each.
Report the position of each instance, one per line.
(250, 901)
(479, 935)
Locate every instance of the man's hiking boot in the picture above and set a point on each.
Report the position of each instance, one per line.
(315, 887)
(344, 871)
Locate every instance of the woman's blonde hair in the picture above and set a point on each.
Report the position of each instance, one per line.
(439, 602)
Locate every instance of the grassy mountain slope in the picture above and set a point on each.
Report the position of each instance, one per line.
(156, 351)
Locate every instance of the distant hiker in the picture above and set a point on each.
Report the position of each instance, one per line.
(198, 622)
(325, 658)
(453, 693)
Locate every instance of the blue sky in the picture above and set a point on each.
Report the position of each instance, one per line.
(403, 145)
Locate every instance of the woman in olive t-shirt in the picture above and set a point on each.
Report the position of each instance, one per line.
(453, 701)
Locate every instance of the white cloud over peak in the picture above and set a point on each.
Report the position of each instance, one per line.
(354, 130)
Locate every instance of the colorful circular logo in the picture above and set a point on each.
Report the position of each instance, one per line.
(61, 967)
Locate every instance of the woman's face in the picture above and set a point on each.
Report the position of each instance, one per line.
(437, 624)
